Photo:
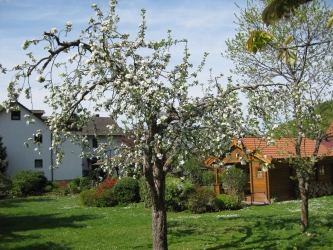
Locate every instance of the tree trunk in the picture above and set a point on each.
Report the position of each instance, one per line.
(159, 224)
(303, 184)
(155, 178)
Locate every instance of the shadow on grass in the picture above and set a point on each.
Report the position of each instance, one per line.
(44, 246)
(12, 225)
(15, 202)
(250, 232)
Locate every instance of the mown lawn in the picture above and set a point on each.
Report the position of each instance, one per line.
(56, 222)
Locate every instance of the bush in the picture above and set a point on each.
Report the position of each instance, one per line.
(107, 184)
(89, 198)
(202, 200)
(102, 196)
(144, 194)
(86, 183)
(6, 184)
(177, 193)
(228, 202)
(29, 183)
(126, 190)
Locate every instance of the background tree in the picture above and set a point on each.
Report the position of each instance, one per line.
(3, 156)
(234, 181)
(302, 78)
(132, 80)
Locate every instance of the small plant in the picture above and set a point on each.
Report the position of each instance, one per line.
(29, 183)
(74, 186)
(202, 200)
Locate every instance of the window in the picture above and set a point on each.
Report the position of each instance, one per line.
(16, 115)
(94, 143)
(38, 163)
(259, 173)
(38, 138)
(321, 170)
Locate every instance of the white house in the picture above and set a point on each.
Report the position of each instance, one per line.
(97, 132)
(15, 132)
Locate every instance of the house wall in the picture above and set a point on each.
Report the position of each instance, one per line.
(328, 176)
(72, 165)
(110, 150)
(280, 183)
(259, 185)
(15, 133)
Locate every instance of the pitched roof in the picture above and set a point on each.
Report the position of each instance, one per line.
(284, 147)
(36, 113)
(100, 124)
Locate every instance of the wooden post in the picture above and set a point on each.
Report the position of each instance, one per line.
(217, 185)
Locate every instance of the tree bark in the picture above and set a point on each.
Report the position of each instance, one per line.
(155, 180)
(159, 224)
(303, 184)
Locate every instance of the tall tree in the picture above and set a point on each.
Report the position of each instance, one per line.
(132, 80)
(300, 66)
(3, 156)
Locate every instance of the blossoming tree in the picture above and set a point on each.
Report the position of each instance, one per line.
(132, 80)
(300, 66)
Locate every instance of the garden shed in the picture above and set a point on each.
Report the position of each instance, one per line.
(269, 175)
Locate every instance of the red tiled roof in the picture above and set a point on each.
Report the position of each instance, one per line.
(284, 147)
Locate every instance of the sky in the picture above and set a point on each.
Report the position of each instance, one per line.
(205, 24)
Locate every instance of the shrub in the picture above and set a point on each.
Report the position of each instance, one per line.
(105, 198)
(86, 183)
(177, 193)
(88, 198)
(5, 184)
(29, 183)
(49, 188)
(234, 181)
(107, 184)
(227, 202)
(102, 196)
(144, 194)
(202, 200)
(126, 190)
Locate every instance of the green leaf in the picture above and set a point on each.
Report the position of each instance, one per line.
(329, 23)
(257, 40)
(288, 39)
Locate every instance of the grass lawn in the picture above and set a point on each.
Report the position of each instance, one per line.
(60, 223)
